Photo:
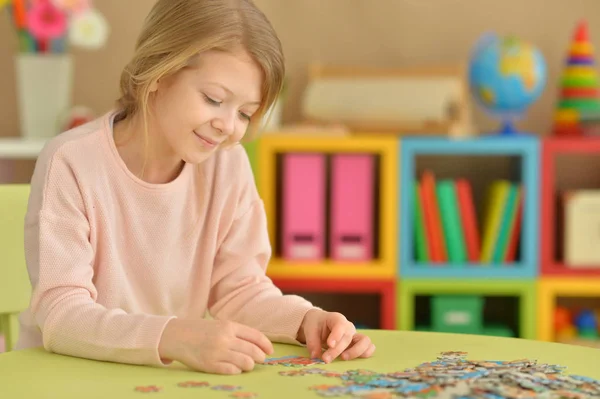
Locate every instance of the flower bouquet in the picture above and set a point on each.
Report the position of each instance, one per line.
(46, 30)
(50, 26)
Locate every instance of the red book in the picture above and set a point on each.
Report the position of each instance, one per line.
(468, 219)
(433, 221)
(515, 233)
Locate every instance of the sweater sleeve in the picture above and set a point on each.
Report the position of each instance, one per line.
(242, 292)
(60, 259)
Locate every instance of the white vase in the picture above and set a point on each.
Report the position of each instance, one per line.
(44, 92)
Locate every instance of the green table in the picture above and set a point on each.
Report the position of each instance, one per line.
(36, 374)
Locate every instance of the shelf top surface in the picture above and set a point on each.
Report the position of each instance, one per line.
(483, 145)
(17, 147)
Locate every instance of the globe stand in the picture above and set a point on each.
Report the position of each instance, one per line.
(509, 130)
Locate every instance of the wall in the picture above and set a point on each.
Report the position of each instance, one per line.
(363, 32)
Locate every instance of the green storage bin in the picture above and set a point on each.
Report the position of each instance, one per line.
(457, 313)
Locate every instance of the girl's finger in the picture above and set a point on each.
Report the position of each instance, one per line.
(369, 352)
(240, 360)
(338, 331)
(332, 353)
(360, 344)
(313, 343)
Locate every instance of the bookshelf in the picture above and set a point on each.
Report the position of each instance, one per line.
(514, 160)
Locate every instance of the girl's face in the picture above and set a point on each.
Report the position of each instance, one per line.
(207, 105)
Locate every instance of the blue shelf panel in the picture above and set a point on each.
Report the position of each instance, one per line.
(491, 145)
(526, 147)
(441, 270)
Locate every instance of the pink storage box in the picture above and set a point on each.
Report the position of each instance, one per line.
(352, 207)
(304, 196)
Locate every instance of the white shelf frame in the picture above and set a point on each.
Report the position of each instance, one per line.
(17, 148)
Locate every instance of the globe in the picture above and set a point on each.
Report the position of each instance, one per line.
(506, 75)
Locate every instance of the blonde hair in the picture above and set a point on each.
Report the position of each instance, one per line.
(175, 31)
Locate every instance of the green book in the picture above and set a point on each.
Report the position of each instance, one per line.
(419, 225)
(451, 222)
(508, 216)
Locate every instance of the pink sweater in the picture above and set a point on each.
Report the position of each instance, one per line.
(112, 258)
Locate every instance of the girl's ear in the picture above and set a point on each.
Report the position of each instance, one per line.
(154, 86)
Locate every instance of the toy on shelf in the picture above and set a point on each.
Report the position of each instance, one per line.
(579, 328)
(586, 323)
(578, 108)
(446, 229)
(506, 75)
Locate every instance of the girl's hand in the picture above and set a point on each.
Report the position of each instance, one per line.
(336, 334)
(214, 346)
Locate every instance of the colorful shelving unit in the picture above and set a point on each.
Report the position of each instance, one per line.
(523, 291)
(525, 152)
(532, 283)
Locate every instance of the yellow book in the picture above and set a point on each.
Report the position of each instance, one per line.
(492, 218)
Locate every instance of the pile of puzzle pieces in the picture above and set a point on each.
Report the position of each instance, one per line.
(452, 376)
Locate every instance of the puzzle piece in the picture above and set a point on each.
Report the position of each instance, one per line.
(148, 389)
(193, 384)
(229, 388)
(244, 395)
(293, 361)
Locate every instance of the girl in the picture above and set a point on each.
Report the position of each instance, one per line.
(145, 219)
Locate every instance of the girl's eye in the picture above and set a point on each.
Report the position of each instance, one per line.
(211, 101)
(245, 116)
